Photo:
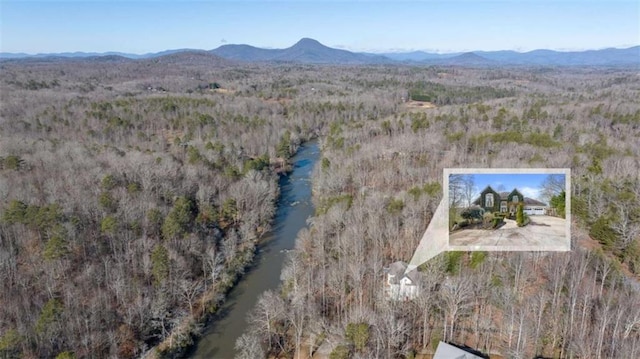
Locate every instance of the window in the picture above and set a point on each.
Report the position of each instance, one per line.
(515, 199)
(488, 200)
(503, 206)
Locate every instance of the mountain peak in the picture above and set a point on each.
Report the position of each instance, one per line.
(308, 42)
(468, 58)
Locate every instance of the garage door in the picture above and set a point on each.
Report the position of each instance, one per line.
(533, 211)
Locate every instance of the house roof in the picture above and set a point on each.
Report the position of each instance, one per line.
(397, 269)
(448, 351)
(504, 195)
(533, 202)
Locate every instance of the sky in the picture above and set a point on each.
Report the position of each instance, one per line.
(145, 26)
(528, 184)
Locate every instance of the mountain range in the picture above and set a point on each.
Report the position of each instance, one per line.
(310, 51)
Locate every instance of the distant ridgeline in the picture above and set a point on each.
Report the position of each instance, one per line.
(310, 51)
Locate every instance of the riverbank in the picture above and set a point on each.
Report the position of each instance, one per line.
(184, 336)
(218, 316)
(293, 210)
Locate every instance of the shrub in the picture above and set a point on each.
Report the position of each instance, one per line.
(108, 225)
(453, 260)
(283, 149)
(108, 182)
(9, 342)
(154, 221)
(432, 188)
(107, 202)
(473, 214)
(418, 123)
(520, 215)
(477, 258)
(415, 192)
(180, 219)
(340, 352)
(358, 334)
(159, 264)
(395, 206)
(453, 216)
(193, 155)
(257, 164)
(325, 164)
(57, 246)
(12, 162)
(327, 203)
(602, 232)
(51, 313)
(631, 256)
(134, 187)
(15, 212)
(231, 171)
(66, 355)
(487, 220)
(558, 202)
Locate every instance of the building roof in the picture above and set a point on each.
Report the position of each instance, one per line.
(504, 195)
(397, 269)
(533, 202)
(448, 351)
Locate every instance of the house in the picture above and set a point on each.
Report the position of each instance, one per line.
(399, 286)
(507, 202)
(448, 351)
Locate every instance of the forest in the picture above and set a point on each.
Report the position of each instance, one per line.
(134, 194)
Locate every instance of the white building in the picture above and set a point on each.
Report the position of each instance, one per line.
(399, 286)
(448, 351)
(534, 207)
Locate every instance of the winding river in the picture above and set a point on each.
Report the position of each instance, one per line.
(294, 207)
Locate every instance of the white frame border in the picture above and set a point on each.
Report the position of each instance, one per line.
(567, 173)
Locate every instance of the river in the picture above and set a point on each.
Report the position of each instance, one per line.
(294, 207)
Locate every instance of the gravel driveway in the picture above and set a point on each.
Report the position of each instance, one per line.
(543, 233)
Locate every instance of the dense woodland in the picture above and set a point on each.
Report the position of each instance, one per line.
(133, 193)
(379, 183)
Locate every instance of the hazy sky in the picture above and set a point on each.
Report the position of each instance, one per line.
(442, 26)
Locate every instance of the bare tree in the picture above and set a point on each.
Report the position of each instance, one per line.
(248, 347)
(553, 184)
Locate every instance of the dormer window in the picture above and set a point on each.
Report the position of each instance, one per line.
(488, 200)
(515, 198)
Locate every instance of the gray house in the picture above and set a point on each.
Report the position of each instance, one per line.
(507, 202)
(448, 351)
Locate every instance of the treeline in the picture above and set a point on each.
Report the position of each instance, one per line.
(374, 198)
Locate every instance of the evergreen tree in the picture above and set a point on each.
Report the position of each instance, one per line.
(520, 215)
(159, 264)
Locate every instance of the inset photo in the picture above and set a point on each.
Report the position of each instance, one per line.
(508, 209)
